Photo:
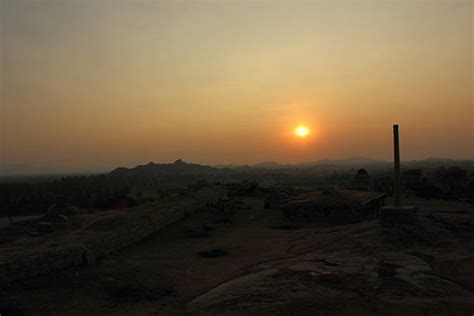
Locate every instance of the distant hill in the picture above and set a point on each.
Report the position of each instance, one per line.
(151, 169)
(269, 165)
(180, 167)
(358, 162)
(348, 161)
(439, 162)
(362, 162)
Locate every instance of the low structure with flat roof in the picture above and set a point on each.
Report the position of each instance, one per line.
(343, 206)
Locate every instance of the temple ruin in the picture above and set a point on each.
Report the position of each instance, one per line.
(361, 181)
(340, 206)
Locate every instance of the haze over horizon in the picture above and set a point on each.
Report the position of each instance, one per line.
(96, 83)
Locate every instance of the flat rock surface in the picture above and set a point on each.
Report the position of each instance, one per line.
(313, 269)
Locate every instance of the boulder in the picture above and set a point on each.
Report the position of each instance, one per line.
(45, 227)
(34, 234)
(213, 253)
(61, 209)
(59, 219)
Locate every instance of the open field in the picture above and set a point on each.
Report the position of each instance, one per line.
(258, 264)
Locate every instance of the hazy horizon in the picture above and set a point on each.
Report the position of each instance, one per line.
(32, 170)
(89, 84)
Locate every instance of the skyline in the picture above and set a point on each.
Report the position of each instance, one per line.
(94, 83)
(8, 170)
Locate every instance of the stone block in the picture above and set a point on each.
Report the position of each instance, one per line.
(60, 219)
(45, 227)
(34, 234)
(404, 215)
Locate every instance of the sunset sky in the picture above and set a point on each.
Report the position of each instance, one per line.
(109, 83)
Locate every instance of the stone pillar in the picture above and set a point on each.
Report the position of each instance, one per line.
(397, 214)
(396, 161)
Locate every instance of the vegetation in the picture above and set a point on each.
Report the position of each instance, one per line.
(130, 187)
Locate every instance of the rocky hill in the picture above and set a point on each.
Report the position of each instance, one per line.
(151, 169)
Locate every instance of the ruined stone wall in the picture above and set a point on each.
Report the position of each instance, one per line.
(90, 250)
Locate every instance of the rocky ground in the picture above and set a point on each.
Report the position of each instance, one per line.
(258, 265)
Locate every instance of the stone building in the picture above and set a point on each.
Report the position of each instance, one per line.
(225, 208)
(361, 181)
(340, 206)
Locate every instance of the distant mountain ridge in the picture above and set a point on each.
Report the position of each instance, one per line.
(347, 161)
(179, 167)
(352, 161)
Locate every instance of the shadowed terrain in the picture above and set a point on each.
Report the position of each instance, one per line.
(256, 264)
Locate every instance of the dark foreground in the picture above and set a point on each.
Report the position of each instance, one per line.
(260, 265)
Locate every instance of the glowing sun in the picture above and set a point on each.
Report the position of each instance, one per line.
(302, 131)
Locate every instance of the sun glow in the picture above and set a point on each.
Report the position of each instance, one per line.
(302, 131)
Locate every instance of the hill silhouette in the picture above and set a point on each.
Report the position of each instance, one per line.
(179, 167)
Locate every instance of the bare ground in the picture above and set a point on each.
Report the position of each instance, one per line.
(260, 265)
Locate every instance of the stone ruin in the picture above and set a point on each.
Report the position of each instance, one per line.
(331, 205)
(361, 181)
(86, 250)
(225, 208)
(397, 214)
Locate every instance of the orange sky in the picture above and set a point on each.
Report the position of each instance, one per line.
(105, 83)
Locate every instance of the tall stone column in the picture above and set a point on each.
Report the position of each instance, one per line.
(397, 214)
(396, 161)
